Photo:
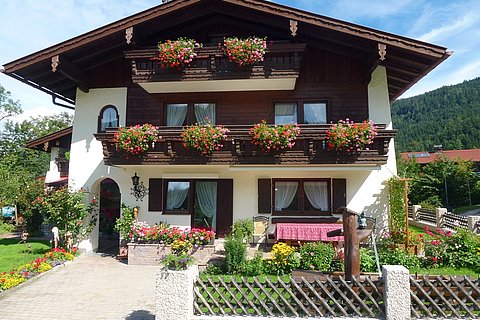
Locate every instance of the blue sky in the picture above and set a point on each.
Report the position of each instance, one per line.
(31, 25)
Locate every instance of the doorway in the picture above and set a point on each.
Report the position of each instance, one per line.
(109, 212)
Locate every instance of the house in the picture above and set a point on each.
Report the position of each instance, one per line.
(424, 157)
(316, 70)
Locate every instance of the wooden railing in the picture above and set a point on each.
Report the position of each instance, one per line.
(282, 60)
(310, 148)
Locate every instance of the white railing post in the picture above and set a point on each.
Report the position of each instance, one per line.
(415, 214)
(174, 294)
(440, 216)
(396, 293)
(474, 223)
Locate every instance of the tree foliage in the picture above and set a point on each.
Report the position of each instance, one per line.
(8, 106)
(448, 116)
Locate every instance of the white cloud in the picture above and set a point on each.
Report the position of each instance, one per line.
(451, 29)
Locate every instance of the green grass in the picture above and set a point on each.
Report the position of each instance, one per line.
(416, 230)
(6, 228)
(446, 271)
(12, 253)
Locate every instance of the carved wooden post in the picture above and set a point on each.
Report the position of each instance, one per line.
(352, 247)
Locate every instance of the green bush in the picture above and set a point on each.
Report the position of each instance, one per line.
(399, 257)
(316, 256)
(215, 269)
(255, 266)
(242, 229)
(6, 228)
(367, 260)
(235, 255)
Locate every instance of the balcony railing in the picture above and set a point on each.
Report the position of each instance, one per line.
(282, 60)
(310, 149)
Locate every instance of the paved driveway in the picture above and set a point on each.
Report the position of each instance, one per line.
(90, 287)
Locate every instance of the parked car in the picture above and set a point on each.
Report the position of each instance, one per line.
(8, 214)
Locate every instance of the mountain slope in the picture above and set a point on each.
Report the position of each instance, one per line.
(449, 116)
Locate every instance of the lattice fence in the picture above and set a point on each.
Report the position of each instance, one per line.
(445, 297)
(289, 297)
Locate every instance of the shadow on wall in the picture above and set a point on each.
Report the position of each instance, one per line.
(140, 315)
(380, 208)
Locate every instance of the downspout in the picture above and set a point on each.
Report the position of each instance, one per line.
(61, 104)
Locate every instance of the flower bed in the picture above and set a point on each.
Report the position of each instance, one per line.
(27, 271)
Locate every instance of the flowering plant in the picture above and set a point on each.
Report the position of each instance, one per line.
(284, 259)
(135, 140)
(181, 247)
(204, 138)
(200, 236)
(245, 51)
(174, 54)
(163, 233)
(274, 138)
(349, 136)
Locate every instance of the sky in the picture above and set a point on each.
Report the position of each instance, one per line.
(28, 26)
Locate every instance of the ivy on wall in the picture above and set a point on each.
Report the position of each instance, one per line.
(397, 205)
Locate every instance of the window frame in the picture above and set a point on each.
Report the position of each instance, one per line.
(189, 197)
(190, 118)
(100, 117)
(301, 197)
(301, 109)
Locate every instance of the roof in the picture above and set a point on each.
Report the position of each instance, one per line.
(61, 138)
(407, 60)
(427, 157)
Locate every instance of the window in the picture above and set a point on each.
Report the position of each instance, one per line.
(108, 118)
(180, 114)
(306, 112)
(301, 196)
(177, 196)
(285, 113)
(315, 113)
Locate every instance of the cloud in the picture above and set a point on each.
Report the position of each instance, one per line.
(451, 29)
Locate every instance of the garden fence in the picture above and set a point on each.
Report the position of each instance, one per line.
(442, 219)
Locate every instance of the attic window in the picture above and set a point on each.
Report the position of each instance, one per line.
(108, 118)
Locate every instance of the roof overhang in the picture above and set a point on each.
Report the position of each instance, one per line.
(60, 139)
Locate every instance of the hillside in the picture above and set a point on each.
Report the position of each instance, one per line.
(449, 116)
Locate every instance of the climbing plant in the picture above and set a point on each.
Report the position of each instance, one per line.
(397, 208)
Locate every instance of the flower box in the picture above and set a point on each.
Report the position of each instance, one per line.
(151, 254)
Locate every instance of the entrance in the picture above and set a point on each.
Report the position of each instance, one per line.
(109, 212)
(205, 209)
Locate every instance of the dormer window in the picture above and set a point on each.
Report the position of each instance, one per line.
(108, 118)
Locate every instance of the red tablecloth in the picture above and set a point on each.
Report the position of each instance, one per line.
(307, 231)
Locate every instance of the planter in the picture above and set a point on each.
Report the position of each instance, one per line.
(151, 254)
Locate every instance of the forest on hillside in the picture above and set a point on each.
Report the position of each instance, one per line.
(448, 116)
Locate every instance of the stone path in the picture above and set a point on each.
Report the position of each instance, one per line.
(90, 287)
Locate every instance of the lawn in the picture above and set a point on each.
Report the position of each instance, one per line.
(12, 253)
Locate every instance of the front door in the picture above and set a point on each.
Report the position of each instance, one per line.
(109, 213)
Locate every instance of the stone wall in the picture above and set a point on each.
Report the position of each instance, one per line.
(151, 254)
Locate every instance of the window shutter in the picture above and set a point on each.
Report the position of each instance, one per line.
(224, 206)
(339, 187)
(155, 195)
(264, 195)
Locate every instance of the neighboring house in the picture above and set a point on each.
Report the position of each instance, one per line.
(424, 157)
(317, 70)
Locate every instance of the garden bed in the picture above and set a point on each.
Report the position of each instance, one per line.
(150, 254)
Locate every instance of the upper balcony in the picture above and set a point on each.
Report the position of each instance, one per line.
(310, 149)
(281, 67)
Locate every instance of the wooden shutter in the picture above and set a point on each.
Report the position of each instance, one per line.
(224, 206)
(339, 187)
(264, 195)
(155, 195)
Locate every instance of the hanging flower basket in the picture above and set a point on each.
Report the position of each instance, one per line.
(349, 136)
(245, 51)
(204, 138)
(176, 53)
(274, 138)
(137, 139)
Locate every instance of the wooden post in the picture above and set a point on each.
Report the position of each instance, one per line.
(352, 246)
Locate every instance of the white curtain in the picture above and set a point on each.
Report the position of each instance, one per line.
(109, 119)
(176, 194)
(315, 113)
(317, 194)
(176, 114)
(205, 112)
(284, 194)
(207, 199)
(285, 113)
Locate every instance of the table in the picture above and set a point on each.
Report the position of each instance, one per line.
(307, 231)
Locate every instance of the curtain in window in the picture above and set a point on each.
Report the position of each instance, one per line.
(109, 119)
(206, 193)
(317, 194)
(285, 113)
(284, 194)
(176, 114)
(176, 194)
(204, 112)
(315, 113)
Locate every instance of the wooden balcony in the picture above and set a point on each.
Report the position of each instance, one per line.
(282, 60)
(310, 149)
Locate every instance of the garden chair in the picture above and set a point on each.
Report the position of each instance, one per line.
(260, 230)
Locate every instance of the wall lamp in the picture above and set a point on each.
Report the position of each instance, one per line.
(139, 191)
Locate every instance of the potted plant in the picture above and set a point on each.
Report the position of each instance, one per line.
(136, 140)
(245, 51)
(274, 138)
(176, 53)
(349, 136)
(123, 226)
(204, 138)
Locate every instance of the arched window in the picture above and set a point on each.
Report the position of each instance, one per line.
(108, 118)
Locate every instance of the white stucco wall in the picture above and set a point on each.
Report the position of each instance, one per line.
(53, 174)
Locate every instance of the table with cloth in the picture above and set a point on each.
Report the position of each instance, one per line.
(301, 232)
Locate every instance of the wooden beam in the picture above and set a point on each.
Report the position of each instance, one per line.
(70, 71)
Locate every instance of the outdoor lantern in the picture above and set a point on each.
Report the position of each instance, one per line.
(139, 191)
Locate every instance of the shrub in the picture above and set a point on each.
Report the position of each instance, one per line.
(123, 225)
(245, 51)
(204, 138)
(316, 256)
(235, 255)
(6, 228)
(284, 259)
(255, 266)
(349, 136)
(274, 138)
(136, 140)
(367, 260)
(215, 268)
(399, 257)
(242, 229)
